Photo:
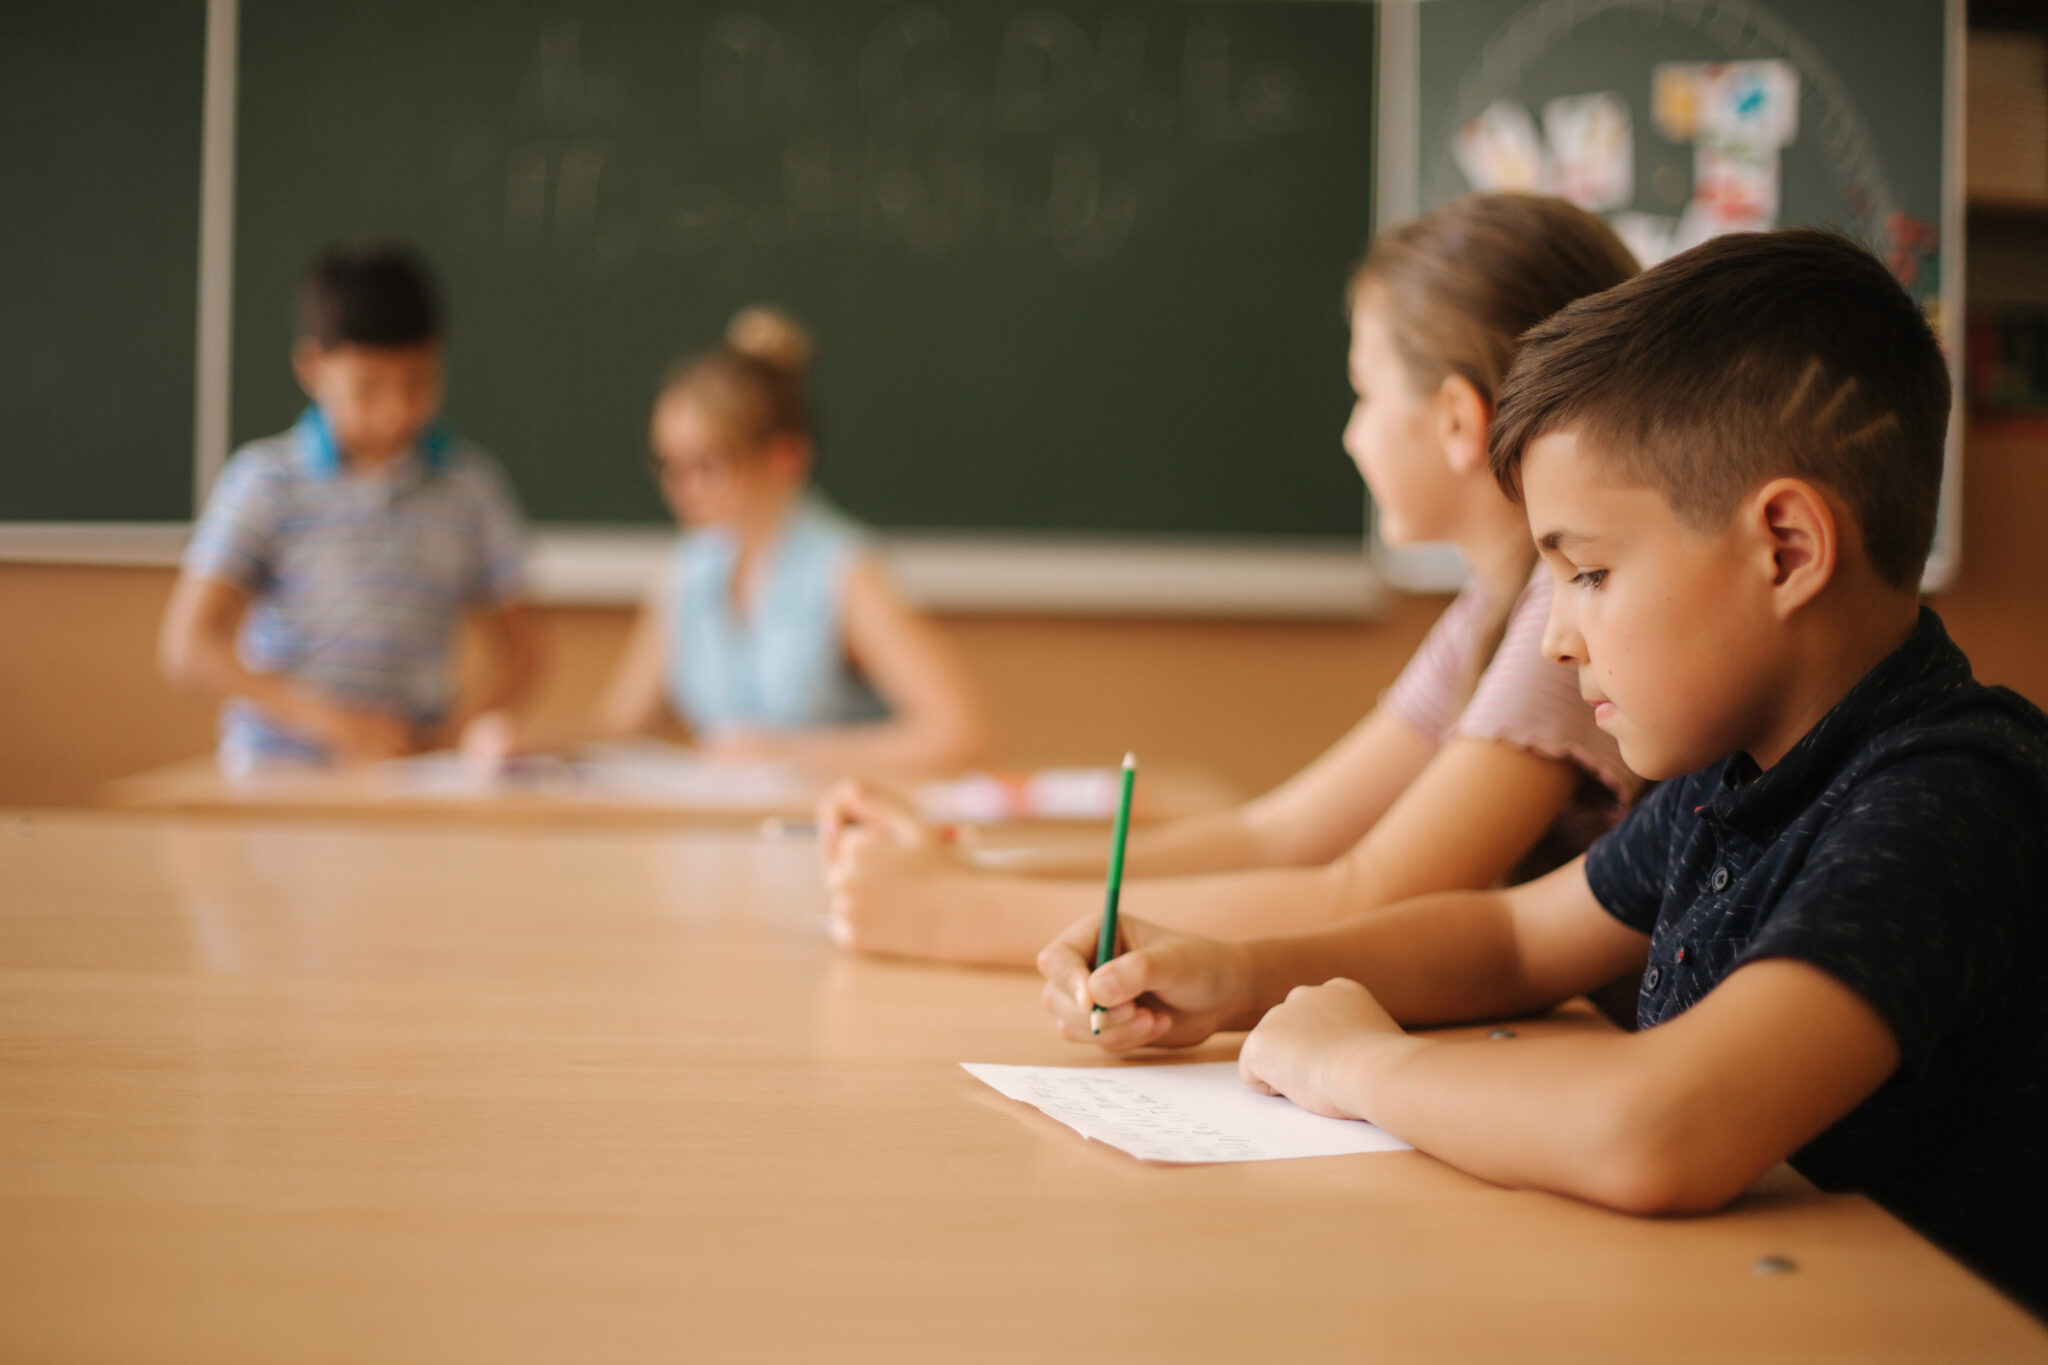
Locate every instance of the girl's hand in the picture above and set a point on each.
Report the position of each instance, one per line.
(1303, 1046)
(862, 804)
(1168, 989)
(898, 892)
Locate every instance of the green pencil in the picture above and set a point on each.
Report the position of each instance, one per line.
(1105, 946)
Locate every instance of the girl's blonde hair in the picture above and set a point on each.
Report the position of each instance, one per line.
(1462, 283)
(755, 385)
(1457, 287)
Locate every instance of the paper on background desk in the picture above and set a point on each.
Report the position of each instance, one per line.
(623, 774)
(1048, 794)
(627, 772)
(1196, 1112)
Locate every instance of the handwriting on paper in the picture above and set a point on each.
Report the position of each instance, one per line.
(1181, 1113)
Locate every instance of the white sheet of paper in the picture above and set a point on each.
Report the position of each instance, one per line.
(630, 774)
(700, 783)
(456, 777)
(1196, 1112)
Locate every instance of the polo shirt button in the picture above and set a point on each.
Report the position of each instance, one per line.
(1720, 879)
(1652, 977)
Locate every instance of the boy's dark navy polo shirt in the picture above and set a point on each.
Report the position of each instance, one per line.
(1901, 847)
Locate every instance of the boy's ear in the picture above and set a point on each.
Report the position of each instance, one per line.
(306, 357)
(1462, 418)
(1800, 531)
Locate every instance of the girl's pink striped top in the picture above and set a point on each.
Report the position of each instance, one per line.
(1522, 699)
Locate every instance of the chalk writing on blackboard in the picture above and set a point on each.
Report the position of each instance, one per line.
(918, 131)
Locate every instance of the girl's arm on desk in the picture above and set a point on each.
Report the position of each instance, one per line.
(1309, 820)
(1476, 809)
(1304, 822)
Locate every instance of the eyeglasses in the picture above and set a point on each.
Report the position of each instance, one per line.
(707, 468)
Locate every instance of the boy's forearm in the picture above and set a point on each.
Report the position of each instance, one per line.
(211, 667)
(1433, 960)
(1259, 902)
(509, 687)
(517, 664)
(196, 651)
(1574, 1115)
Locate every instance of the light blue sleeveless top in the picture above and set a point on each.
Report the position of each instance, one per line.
(781, 662)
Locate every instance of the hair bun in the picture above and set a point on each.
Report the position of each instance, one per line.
(772, 336)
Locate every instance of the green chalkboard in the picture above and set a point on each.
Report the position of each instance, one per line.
(1864, 148)
(1071, 266)
(99, 258)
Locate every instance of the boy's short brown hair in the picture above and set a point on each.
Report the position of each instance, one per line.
(1749, 357)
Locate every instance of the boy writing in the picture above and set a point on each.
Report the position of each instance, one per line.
(343, 553)
(1835, 900)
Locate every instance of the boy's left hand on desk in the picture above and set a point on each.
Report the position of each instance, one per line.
(356, 736)
(1303, 1046)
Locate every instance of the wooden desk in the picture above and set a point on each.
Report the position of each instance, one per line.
(292, 1091)
(197, 786)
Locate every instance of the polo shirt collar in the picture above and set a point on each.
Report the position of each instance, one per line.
(1904, 684)
(323, 452)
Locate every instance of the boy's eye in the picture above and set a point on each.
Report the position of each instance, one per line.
(1589, 578)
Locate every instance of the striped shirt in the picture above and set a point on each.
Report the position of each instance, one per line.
(1521, 699)
(358, 579)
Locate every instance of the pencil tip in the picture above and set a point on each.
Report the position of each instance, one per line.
(1130, 760)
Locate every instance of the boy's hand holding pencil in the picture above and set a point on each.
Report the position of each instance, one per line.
(1171, 990)
(1106, 938)
(1168, 989)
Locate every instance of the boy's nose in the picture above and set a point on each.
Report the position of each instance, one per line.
(1561, 641)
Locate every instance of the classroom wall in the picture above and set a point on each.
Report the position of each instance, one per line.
(80, 702)
(1999, 605)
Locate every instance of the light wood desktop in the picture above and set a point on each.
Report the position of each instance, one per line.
(198, 786)
(278, 1091)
